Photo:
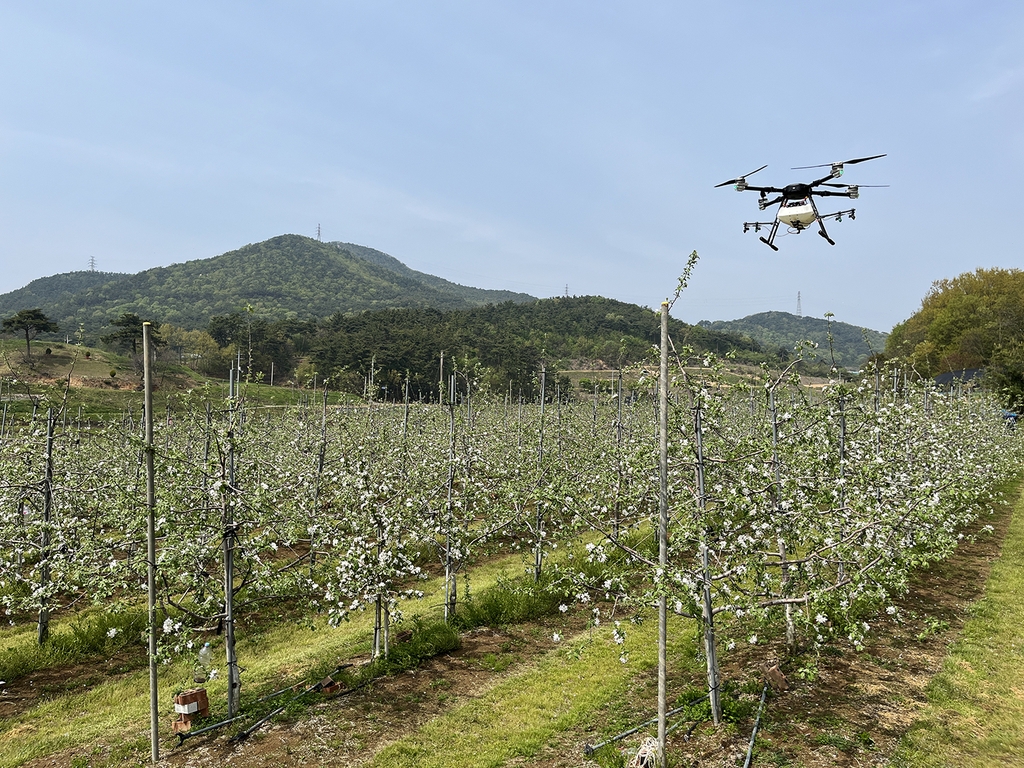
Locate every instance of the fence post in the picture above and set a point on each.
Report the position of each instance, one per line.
(147, 375)
(663, 537)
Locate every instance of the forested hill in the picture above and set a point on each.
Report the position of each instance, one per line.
(505, 343)
(289, 276)
(851, 345)
(49, 293)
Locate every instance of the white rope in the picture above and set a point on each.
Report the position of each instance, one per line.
(647, 756)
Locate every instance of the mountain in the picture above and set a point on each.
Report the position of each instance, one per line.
(851, 345)
(289, 276)
(47, 293)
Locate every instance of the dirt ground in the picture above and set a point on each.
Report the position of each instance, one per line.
(860, 704)
(852, 714)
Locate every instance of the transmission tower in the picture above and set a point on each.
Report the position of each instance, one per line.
(799, 312)
(318, 232)
(92, 263)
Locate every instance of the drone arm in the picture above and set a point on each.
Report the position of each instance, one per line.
(829, 193)
(823, 179)
(838, 215)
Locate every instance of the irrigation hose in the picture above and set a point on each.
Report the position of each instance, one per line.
(243, 735)
(275, 694)
(590, 749)
(753, 734)
(182, 737)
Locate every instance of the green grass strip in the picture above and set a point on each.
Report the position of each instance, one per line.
(526, 711)
(975, 714)
(118, 710)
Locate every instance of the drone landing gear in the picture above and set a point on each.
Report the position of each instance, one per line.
(770, 240)
(821, 223)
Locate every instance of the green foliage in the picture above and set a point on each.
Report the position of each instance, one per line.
(30, 322)
(975, 320)
(88, 636)
(508, 602)
(128, 335)
(265, 346)
(502, 343)
(429, 639)
(285, 277)
(696, 706)
(850, 346)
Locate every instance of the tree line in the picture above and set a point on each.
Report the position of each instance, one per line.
(502, 346)
(974, 320)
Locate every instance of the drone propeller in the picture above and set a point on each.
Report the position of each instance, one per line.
(836, 184)
(837, 165)
(741, 179)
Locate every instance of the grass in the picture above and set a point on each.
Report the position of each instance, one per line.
(90, 634)
(106, 398)
(530, 710)
(117, 710)
(975, 711)
(509, 601)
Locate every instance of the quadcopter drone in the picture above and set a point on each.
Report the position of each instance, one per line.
(796, 201)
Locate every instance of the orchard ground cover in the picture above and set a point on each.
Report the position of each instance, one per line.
(850, 714)
(99, 704)
(975, 710)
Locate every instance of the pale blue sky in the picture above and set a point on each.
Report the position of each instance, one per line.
(526, 145)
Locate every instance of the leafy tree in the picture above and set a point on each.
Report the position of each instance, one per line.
(196, 349)
(974, 320)
(30, 322)
(264, 345)
(129, 333)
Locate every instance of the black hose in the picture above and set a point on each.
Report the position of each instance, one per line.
(182, 737)
(589, 749)
(753, 734)
(243, 735)
(275, 694)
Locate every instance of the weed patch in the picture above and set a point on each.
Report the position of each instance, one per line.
(975, 712)
(90, 635)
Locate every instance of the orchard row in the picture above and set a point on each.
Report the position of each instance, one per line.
(803, 509)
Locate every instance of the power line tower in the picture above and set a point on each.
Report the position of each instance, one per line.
(92, 263)
(318, 233)
(799, 312)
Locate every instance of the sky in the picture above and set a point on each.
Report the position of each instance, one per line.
(542, 147)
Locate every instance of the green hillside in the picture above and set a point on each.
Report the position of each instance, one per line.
(851, 345)
(289, 276)
(340, 309)
(503, 343)
(51, 293)
(460, 294)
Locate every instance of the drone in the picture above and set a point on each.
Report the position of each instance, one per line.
(796, 201)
